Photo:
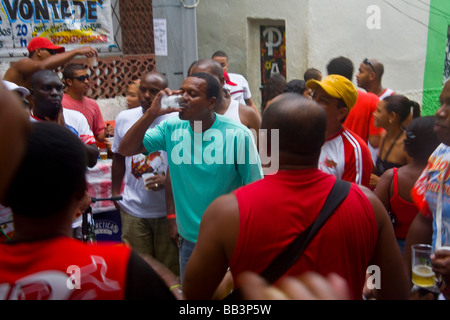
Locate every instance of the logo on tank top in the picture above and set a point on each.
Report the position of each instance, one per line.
(330, 163)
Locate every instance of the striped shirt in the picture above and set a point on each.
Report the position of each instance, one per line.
(346, 156)
(77, 123)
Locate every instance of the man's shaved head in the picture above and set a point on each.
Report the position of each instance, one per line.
(301, 123)
(209, 66)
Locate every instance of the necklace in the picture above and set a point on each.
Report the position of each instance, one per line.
(391, 146)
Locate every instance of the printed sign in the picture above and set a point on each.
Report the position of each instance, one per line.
(273, 51)
(67, 23)
(160, 35)
(447, 58)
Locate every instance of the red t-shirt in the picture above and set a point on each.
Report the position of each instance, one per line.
(360, 118)
(89, 108)
(40, 270)
(66, 269)
(274, 210)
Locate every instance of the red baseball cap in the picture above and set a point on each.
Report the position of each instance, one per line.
(43, 43)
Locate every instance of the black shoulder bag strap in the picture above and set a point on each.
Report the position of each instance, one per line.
(290, 255)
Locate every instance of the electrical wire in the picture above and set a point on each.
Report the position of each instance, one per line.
(428, 9)
(412, 18)
(444, 14)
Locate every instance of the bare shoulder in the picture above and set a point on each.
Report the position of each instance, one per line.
(367, 192)
(381, 214)
(385, 179)
(388, 174)
(246, 110)
(220, 223)
(24, 63)
(17, 68)
(21, 71)
(222, 209)
(249, 117)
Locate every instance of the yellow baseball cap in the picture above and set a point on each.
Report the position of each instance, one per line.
(338, 87)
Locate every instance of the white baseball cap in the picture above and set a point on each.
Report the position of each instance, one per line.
(11, 86)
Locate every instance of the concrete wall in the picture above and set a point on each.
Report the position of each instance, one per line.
(233, 26)
(317, 31)
(400, 43)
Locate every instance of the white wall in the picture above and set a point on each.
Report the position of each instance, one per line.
(317, 31)
(110, 108)
(400, 43)
(233, 26)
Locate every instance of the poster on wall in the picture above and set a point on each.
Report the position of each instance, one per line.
(66, 23)
(273, 51)
(160, 36)
(447, 58)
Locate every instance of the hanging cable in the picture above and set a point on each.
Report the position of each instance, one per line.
(416, 20)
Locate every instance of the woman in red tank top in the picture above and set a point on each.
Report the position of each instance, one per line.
(394, 186)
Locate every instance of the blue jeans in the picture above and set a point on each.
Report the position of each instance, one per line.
(186, 248)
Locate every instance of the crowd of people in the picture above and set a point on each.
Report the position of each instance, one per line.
(202, 217)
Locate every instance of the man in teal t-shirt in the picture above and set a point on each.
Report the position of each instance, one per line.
(209, 155)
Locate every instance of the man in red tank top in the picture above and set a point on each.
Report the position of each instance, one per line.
(245, 230)
(43, 261)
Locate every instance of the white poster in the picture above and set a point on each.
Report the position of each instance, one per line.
(160, 36)
(447, 58)
(67, 23)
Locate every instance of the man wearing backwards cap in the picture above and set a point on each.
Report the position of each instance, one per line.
(43, 54)
(21, 92)
(344, 153)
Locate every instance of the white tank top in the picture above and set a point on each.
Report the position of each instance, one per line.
(233, 111)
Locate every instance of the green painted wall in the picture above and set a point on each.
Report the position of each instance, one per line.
(438, 25)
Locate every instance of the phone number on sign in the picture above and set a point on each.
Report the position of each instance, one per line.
(78, 39)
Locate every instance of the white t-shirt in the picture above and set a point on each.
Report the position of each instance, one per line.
(241, 91)
(386, 93)
(138, 201)
(77, 123)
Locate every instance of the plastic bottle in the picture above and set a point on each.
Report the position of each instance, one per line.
(170, 101)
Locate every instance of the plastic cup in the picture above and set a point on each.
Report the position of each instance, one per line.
(92, 61)
(170, 101)
(145, 177)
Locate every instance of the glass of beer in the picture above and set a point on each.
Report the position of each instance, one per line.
(422, 274)
(103, 154)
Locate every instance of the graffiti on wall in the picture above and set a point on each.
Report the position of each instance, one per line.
(273, 51)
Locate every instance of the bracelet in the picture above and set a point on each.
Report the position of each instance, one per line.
(171, 216)
(175, 286)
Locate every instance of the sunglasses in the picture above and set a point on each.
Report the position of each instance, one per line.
(82, 78)
(51, 51)
(366, 61)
